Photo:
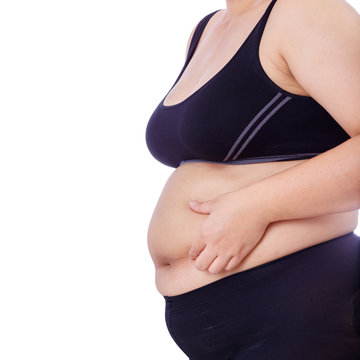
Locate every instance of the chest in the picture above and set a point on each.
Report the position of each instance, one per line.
(218, 46)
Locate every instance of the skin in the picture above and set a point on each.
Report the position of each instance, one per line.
(254, 213)
(328, 183)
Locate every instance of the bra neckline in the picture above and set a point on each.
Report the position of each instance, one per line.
(227, 64)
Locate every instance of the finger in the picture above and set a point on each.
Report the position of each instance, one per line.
(206, 257)
(196, 248)
(237, 259)
(202, 207)
(219, 264)
(233, 263)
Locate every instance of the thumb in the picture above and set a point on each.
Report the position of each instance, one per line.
(202, 207)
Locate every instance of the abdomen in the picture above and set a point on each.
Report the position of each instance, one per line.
(174, 226)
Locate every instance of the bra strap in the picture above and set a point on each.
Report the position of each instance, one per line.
(261, 25)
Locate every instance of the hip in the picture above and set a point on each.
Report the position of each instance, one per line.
(304, 305)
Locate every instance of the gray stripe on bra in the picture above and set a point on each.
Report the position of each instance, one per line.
(277, 108)
(236, 143)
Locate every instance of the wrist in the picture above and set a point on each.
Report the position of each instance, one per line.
(260, 201)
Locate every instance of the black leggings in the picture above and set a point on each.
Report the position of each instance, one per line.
(305, 305)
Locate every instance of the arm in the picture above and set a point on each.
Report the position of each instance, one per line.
(324, 57)
(327, 183)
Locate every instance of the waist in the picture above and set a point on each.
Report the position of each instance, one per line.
(178, 274)
(174, 226)
(328, 256)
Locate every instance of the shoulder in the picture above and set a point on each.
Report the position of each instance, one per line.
(189, 40)
(303, 17)
(320, 42)
(198, 24)
(331, 8)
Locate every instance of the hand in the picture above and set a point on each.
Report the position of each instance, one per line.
(236, 223)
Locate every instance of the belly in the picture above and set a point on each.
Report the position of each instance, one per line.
(174, 226)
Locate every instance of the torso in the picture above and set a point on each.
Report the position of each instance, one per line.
(214, 52)
(174, 226)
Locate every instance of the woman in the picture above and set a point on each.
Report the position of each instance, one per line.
(263, 128)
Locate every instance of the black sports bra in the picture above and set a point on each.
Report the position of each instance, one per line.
(240, 115)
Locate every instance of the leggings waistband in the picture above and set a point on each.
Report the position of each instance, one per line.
(304, 305)
(250, 274)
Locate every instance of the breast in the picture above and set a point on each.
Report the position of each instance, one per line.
(228, 120)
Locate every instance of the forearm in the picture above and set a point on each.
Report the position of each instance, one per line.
(327, 183)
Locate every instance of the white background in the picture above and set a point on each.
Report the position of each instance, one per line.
(78, 82)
